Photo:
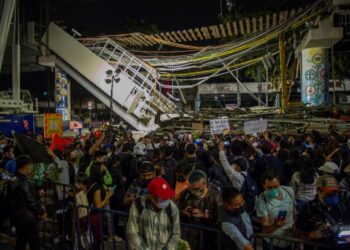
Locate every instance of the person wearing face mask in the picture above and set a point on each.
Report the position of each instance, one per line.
(98, 197)
(99, 171)
(235, 222)
(139, 186)
(9, 154)
(199, 205)
(25, 208)
(154, 222)
(275, 208)
(318, 217)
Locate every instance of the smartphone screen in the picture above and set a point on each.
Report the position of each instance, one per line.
(282, 215)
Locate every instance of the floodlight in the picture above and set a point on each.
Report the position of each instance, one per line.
(108, 80)
(117, 79)
(109, 72)
(117, 71)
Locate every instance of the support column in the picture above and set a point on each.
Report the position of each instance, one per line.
(16, 54)
(238, 91)
(314, 85)
(62, 94)
(283, 70)
(197, 103)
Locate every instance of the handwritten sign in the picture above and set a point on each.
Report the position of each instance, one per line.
(253, 127)
(219, 126)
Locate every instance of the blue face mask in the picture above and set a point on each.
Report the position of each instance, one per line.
(163, 204)
(331, 201)
(273, 193)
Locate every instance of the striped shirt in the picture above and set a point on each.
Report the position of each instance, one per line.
(303, 192)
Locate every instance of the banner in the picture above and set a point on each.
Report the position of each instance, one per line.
(52, 125)
(314, 86)
(60, 143)
(219, 126)
(62, 94)
(254, 127)
(23, 124)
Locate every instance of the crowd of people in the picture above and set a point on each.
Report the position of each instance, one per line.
(282, 186)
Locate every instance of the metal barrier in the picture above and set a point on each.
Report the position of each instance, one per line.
(100, 212)
(295, 242)
(49, 199)
(55, 200)
(77, 233)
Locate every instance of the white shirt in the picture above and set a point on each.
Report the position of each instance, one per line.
(235, 177)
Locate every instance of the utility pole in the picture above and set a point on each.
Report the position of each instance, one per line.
(282, 50)
(238, 91)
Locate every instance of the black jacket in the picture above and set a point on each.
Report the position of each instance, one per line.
(25, 206)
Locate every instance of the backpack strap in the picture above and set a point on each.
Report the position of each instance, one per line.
(289, 194)
(169, 213)
(138, 205)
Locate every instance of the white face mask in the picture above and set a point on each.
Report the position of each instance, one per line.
(163, 204)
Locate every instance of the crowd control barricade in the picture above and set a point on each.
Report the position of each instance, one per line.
(59, 203)
(295, 243)
(86, 238)
(123, 215)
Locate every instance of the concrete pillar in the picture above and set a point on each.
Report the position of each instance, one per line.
(314, 70)
(197, 103)
(62, 94)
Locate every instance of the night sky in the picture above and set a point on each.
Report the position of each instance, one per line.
(95, 17)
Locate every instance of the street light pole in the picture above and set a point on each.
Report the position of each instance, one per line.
(111, 102)
(112, 77)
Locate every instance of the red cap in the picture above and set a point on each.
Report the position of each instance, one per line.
(160, 188)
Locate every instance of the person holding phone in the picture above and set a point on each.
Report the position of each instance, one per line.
(276, 210)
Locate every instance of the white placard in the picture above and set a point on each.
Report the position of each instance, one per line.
(253, 127)
(217, 126)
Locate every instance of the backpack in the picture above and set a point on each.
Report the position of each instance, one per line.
(140, 208)
(218, 176)
(249, 190)
(183, 245)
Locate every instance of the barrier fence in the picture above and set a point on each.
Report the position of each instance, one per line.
(295, 243)
(58, 199)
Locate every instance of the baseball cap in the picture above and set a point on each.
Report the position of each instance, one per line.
(160, 188)
(327, 183)
(329, 167)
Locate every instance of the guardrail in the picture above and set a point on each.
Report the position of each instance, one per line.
(295, 242)
(77, 232)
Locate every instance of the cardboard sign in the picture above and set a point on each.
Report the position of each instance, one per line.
(197, 126)
(219, 126)
(253, 127)
(52, 125)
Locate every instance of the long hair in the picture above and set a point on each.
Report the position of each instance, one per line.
(307, 171)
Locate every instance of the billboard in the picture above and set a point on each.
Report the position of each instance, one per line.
(314, 86)
(23, 124)
(62, 94)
